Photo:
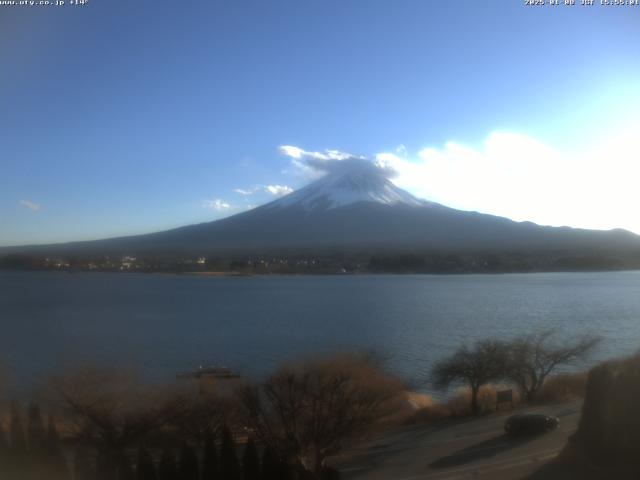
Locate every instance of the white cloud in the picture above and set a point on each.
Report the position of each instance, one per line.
(291, 151)
(298, 153)
(278, 190)
(217, 204)
(34, 207)
(245, 192)
(314, 164)
(519, 177)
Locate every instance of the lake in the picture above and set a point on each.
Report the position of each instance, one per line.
(165, 324)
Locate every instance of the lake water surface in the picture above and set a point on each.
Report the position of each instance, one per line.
(164, 324)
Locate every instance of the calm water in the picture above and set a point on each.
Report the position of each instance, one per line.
(166, 324)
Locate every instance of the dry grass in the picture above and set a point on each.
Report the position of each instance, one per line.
(458, 405)
(563, 388)
(433, 413)
(559, 388)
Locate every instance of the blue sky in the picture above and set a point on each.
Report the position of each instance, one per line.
(124, 117)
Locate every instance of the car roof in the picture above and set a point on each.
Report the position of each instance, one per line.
(528, 415)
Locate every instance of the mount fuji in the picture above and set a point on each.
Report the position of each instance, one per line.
(351, 210)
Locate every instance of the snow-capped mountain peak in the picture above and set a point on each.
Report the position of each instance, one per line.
(336, 190)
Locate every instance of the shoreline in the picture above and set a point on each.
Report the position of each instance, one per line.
(222, 274)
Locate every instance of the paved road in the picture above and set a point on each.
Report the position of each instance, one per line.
(474, 448)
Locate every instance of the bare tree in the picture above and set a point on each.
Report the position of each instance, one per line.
(534, 357)
(204, 413)
(310, 410)
(473, 367)
(110, 410)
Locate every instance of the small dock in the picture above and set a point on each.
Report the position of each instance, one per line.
(209, 373)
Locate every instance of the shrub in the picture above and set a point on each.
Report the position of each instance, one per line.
(84, 465)
(273, 467)
(188, 467)
(210, 467)
(229, 467)
(167, 469)
(145, 468)
(250, 461)
(125, 470)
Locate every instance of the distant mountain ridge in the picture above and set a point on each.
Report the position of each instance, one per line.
(353, 210)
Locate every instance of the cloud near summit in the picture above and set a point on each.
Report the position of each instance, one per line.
(315, 164)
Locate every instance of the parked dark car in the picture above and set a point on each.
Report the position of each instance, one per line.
(530, 424)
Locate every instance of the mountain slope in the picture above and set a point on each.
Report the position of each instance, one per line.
(354, 210)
